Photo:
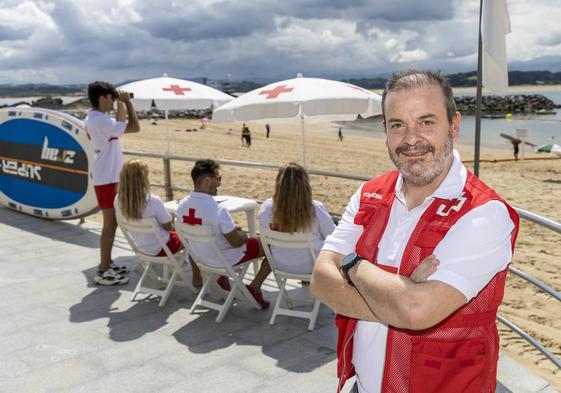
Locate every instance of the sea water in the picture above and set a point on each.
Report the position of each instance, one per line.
(541, 128)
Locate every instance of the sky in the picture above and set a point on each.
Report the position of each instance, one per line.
(71, 41)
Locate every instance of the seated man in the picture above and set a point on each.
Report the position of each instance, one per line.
(199, 208)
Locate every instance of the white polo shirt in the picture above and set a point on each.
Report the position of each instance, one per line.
(155, 208)
(105, 132)
(202, 206)
(294, 260)
(475, 248)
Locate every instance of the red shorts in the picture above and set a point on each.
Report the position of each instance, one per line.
(174, 244)
(252, 250)
(106, 195)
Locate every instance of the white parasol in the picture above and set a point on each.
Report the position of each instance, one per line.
(303, 100)
(173, 94)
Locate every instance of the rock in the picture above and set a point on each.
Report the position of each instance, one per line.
(520, 103)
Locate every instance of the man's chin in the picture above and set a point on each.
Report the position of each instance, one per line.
(415, 167)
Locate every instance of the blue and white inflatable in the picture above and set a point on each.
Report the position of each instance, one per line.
(45, 164)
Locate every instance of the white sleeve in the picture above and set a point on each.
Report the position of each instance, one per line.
(110, 127)
(345, 236)
(476, 248)
(180, 210)
(265, 213)
(160, 212)
(225, 221)
(326, 224)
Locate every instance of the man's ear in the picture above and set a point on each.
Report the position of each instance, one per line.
(455, 126)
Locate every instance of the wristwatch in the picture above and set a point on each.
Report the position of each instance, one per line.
(347, 263)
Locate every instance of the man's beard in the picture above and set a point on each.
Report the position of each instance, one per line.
(423, 177)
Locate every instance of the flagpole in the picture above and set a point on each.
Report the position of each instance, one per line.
(478, 95)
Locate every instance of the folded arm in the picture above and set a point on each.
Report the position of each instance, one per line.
(329, 286)
(401, 302)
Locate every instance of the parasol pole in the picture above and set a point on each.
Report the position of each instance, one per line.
(303, 129)
(477, 144)
(167, 134)
(167, 165)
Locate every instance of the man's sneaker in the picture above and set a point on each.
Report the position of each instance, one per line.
(118, 269)
(110, 277)
(223, 283)
(258, 296)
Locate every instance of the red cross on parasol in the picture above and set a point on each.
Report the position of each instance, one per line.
(177, 90)
(274, 93)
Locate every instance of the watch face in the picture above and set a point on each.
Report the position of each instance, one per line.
(348, 258)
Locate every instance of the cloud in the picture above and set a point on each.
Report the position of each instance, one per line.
(75, 41)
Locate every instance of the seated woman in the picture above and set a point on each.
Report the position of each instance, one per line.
(135, 201)
(291, 210)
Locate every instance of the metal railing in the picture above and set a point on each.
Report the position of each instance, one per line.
(524, 214)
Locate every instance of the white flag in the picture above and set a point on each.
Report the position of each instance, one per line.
(495, 25)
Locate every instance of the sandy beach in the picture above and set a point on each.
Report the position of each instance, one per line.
(538, 252)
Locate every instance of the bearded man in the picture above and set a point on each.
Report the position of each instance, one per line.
(398, 333)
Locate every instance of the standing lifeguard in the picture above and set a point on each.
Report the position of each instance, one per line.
(105, 132)
(395, 334)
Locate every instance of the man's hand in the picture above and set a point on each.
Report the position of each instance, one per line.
(123, 96)
(125, 100)
(242, 233)
(425, 269)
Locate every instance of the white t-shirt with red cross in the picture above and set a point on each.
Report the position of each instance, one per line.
(105, 132)
(299, 261)
(201, 209)
(475, 248)
(148, 243)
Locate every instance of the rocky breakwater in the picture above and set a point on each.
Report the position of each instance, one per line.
(79, 109)
(520, 103)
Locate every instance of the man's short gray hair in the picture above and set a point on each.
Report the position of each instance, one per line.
(414, 78)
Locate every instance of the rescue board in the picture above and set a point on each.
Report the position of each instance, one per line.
(45, 164)
(514, 139)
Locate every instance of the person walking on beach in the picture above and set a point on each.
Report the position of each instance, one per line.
(400, 334)
(515, 145)
(105, 132)
(246, 136)
(340, 135)
(268, 130)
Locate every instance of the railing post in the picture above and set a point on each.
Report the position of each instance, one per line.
(167, 179)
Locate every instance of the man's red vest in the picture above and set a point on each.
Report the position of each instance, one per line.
(460, 353)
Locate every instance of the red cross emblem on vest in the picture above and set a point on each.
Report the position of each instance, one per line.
(178, 90)
(274, 93)
(191, 219)
(454, 205)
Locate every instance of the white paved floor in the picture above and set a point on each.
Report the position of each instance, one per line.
(59, 333)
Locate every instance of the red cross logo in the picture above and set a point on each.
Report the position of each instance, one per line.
(178, 90)
(191, 219)
(453, 205)
(276, 91)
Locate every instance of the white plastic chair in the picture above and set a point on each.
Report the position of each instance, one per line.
(293, 241)
(202, 234)
(170, 262)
